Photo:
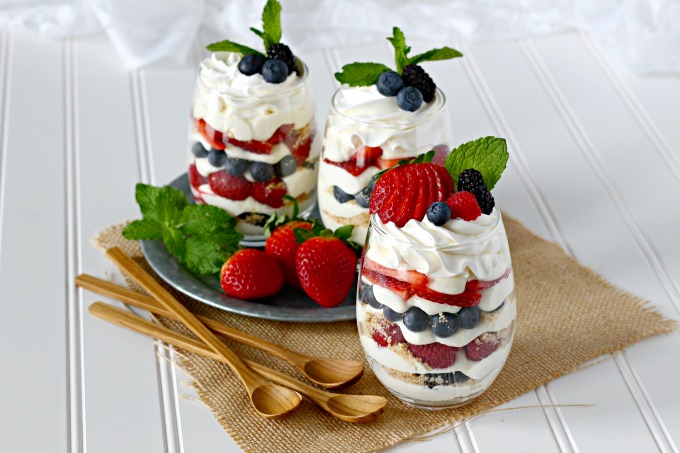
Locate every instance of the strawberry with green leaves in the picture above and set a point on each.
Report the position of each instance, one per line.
(251, 274)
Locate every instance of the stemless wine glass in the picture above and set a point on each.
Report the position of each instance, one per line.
(252, 143)
(366, 133)
(437, 321)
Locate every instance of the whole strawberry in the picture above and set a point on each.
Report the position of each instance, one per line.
(326, 267)
(283, 246)
(251, 274)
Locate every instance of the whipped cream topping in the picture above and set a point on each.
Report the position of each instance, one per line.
(248, 107)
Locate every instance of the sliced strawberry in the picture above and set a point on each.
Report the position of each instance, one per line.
(388, 335)
(403, 289)
(425, 193)
(195, 178)
(281, 134)
(358, 162)
(229, 186)
(212, 136)
(478, 285)
(464, 299)
(482, 346)
(300, 151)
(436, 355)
(444, 183)
(384, 164)
(270, 192)
(413, 277)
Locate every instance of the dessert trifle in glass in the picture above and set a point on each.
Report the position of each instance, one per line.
(435, 302)
(378, 117)
(252, 142)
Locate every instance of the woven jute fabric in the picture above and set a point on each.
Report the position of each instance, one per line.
(566, 315)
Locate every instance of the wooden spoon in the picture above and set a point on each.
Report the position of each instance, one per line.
(350, 408)
(269, 400)
(328, 373)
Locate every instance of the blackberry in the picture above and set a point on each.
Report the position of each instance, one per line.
(282, 52)
(416, 76)
(471, 180)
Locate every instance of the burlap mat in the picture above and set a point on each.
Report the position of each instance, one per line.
(567, 315)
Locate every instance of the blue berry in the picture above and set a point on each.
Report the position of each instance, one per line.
(444, 325)
(274, 71)
(409, 99)
(199, 150)
(216, 157)
(364, 196)
(368, 297)
(468, 317)
(459, 377)
(341, 195)
(390, 314)
(389, 83)
(439, 213)
(235, 166)
(498, 308)
(251, 64)
(261, 171)
(286, 166)
(416, 320)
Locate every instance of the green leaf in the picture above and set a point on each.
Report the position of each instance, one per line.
(271, 23)
(360, 74)
(259, 33)
(175, 242)
(444, 53)
(146, 197)
(229, 46)
(401, 50)
(423, 158)
(162, 204)
(202, 219)
(488, 155)
(302, 234)
(205, 256)
(143, 230)
(344, 232)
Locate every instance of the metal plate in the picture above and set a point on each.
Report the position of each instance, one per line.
(289, 305)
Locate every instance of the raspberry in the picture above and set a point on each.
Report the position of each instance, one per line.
(282, 52)
(464, 206)
(416, 77)
(471, 180)
(390, 334)
(436, 355)
(483, 346)
(270, 192)
(195, 178)
(229, 186)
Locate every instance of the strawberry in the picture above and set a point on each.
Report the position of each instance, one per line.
(299, 142)
(212, 136)
(394, 198)
(482, 346)
(413, 277)
(464, 206)
(478, 285)
(359, 161)
(436, 355)
(253, 146)
(384, 164)
(270, 192)
(195, 178)
(251, 274)
(283, 246)
(402, 289)
(389, 334)
(464, 299)
(229, 186)
(326, 267)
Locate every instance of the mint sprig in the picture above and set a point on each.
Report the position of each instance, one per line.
(270, 33)
(401, 50)
(419, 159)
(229, 46)
(344, 233)
(201, 237)
(488, 155)
(360, 74)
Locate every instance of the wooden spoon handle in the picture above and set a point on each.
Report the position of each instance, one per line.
(147, 303)
(146, 281)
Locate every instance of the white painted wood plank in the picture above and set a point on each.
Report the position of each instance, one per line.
(122, 403)
(33, 298)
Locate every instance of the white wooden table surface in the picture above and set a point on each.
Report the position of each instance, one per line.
(595, 166)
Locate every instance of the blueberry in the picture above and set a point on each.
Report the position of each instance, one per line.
(409, 99)
(251, 64)
(498, 308)
(261, 171)
(468, 317)
(286, 166)
(389, 83)
(364, 196)
(416, 320)
(216, 157)
(368, 297)
(274, 71)
(444, 324)
(390, 314)
(235, 166)
(341, 195)
(459, 377)
(438, 213)
(199, 150)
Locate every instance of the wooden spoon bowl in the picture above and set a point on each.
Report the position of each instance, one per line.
(332, 373)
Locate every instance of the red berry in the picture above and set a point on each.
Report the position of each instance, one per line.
(270, 192)
(195, 178)
(299, 142)
(436, 355)
(482, 346)
(402, 289)
(478, 285)
(413, 277)
(388, 334)
(251, 274)
(363, 158)
(384, 164)
(326, 268)
(283, 246)
(464, 299)
(212, 136)
(229, 186)
(464, 206)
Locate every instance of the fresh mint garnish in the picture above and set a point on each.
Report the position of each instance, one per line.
(270, 33)
(401, 50)
(201, 237)
(360, 74)
(229, 46)
(487, 155)
(444, 53)
(419, 159)
(344, 233)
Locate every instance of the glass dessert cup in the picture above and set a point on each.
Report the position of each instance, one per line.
(366, 133)
(436, 312)
(251, 143)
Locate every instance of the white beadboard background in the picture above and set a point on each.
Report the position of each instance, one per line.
(595, 167)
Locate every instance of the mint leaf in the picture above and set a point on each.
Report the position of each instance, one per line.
(401, 50)
(203, 219)
(488, 155)
(444, 53)
(175, 242)
(204, 256)
(259, 33)
(271, 23)
(229, 46)
(360, 74)
(160, 203)
(143, 230)
(423, 158)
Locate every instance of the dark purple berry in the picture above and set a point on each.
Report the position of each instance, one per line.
(216, 157)
(261, 171)
(409, 99)
(199, 150)
(468, 317)
(274, 71)
(439, 213)
(444, 324)
(251, 64)
(389, 83)
(416, 320)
